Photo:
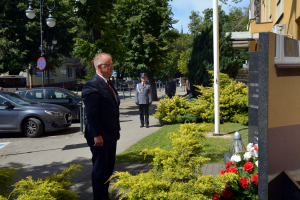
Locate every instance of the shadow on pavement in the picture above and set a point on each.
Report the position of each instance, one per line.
(82, 179)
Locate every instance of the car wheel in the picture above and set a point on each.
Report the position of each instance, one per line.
(33, 128)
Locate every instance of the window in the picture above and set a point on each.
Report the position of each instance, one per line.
(70, 73)
(35, 94)
(22, 93)
(279, 10)
(55, 94)
(2, 101)
(50, 74)
(287, 52)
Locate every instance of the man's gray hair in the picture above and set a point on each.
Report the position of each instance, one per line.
(100, 59)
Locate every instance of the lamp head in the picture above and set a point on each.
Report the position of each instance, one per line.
(51, 21)
(54, 41)
(30, 13)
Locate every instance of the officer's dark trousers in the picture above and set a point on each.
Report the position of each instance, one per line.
(142, 108)
(103, 166)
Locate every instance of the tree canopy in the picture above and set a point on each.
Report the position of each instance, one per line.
(20, 36)
(149, 36)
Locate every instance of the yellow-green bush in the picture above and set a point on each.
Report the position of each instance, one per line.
(169, 110)
(233, 102)
(56, 186)
(177, 173)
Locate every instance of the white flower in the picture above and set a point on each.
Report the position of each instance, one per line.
(250, 147)
(236, 158)
(247, 155)
(256, 163)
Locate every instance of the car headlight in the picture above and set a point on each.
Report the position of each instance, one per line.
(52, 113)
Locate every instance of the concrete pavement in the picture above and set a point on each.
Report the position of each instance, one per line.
(54, 152)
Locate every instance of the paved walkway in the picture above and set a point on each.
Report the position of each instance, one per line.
(52, 154)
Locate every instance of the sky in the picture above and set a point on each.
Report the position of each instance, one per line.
(182, 10)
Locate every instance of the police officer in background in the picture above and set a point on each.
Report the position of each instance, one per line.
(170, 88)
(143, 99)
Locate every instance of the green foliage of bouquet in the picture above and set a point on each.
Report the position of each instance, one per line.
(54, 187)
(177, 173)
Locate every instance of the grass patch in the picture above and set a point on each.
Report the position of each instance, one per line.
(214, 147)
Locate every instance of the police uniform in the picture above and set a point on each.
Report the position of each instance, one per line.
(170, 88)
(143, 100)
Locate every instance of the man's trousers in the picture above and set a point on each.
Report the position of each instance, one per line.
(142, 108)
(103, 167)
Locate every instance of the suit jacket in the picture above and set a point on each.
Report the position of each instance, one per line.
(143, 94)
(102, 110)
(170, 87)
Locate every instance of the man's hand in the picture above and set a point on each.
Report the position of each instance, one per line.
(98, 141)
(136, 103)
(119, 136)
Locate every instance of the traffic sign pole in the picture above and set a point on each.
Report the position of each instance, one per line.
(41, 64)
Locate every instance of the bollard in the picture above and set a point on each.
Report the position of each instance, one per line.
(159, 87)
(123, 94)
(130, 92)
(80, 112)
(83, 116)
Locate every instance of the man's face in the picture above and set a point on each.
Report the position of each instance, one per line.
(170, 78)
(106, 68)
(144, 79)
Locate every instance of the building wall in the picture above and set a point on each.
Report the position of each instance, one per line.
(58, 77)
(278, 12)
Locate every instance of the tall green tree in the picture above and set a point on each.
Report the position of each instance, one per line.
(100, 19)
(202, 58)
(182, 64)
(149, 36)
(237, 19)
(20, 36)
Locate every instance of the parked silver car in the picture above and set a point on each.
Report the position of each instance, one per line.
(18, 113)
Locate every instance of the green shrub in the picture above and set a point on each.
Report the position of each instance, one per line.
(233, 102)
(188, 118)
(169, 110)
(241, 118)
(6, 180)
(56, 186)
(177, 173)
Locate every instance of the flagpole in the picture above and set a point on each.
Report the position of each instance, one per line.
(216, 65)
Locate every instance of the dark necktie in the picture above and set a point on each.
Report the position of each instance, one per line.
(109, 84)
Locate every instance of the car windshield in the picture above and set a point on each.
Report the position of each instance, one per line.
(72, 94)
(18, 99)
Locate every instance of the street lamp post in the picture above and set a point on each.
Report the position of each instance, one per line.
(30, 13)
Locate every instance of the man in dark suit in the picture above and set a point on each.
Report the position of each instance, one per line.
(170, 89)
(102, 128)
(143, 99)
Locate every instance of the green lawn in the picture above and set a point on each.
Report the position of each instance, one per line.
(214, 147)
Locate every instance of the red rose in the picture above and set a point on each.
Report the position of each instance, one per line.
(228, 164)
(227, 194)
(254, 178)
(256, 147)
(216, 197)
(248, 166)
(244, 182)
(223, 171)
(233, 169)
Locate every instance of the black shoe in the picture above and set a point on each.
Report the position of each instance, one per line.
(141, 126)
(147, 126)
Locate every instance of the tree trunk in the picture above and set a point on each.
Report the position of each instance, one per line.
(96, 34)
(153, 85)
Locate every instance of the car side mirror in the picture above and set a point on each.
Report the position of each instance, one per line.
(8, 104)
(69, 98)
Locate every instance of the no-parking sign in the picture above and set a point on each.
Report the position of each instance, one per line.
(41, 63)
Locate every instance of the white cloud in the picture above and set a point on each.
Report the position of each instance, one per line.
(182, 10)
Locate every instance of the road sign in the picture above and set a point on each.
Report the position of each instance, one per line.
(63, 71)
(41, 63)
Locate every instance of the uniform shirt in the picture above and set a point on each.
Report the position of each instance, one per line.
(143, 94)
